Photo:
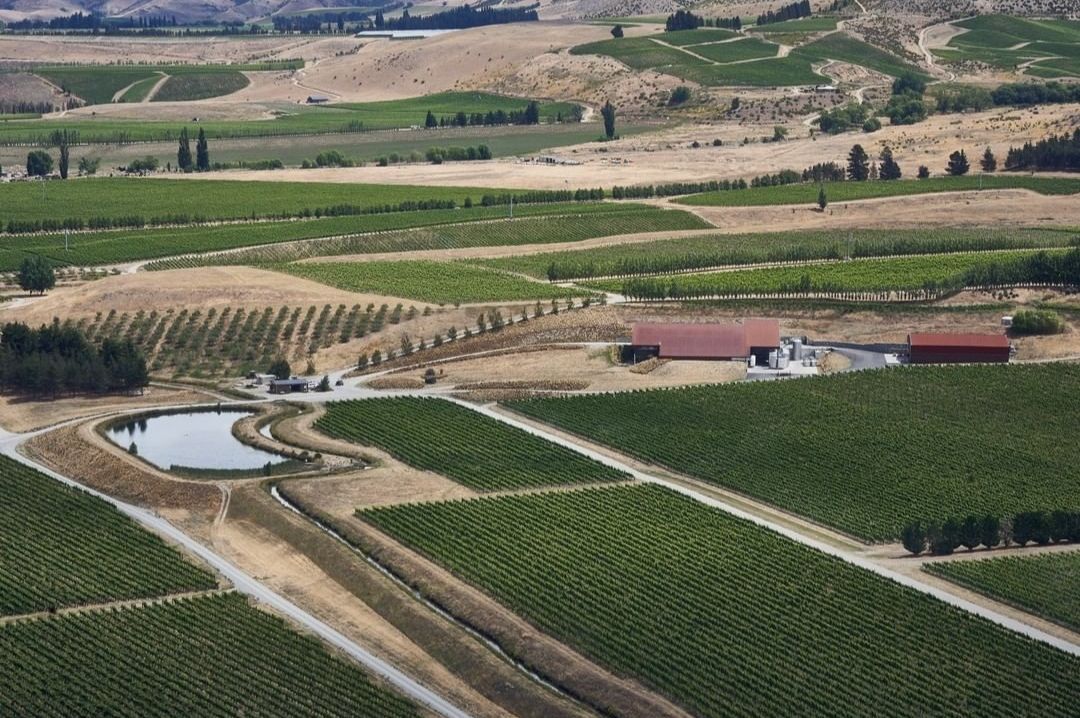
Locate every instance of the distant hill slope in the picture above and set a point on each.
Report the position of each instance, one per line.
(183, 10)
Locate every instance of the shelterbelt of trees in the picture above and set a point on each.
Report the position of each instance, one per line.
(57, 359)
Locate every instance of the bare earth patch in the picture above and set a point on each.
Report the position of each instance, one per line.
(588, 366)
(201, 288)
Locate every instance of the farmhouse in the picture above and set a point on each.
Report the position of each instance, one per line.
(962, 348)
(288, 386)
(754, 337)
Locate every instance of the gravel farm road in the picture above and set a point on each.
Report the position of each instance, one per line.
(248, 585)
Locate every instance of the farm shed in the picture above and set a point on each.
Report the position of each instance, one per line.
(317, 99)
(288, 386)
(958, 348)
(754, 337)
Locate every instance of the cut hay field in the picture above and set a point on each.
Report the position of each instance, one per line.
(852, 191)
(472, 449)
(63, 547)
(207, 656)
(724, 617)
(428, 281)
(865, 453)
(717, 250)
(1047, 585)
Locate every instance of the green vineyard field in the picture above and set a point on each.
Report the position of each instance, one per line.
(428, 281)
(850, 191)
(209, 199)
(931, 271)
(472, 449)
(101, 83)
(727, 618)
(62, 547)
(200, 86)
(96, 84)
(1048, 585)
(208, 656)
(866, 452)
(568, 222)
(716, 250)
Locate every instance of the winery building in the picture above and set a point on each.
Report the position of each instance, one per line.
(754, 337)
(958, 348)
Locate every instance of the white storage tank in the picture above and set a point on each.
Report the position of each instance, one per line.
(773, 358)
(796, 349)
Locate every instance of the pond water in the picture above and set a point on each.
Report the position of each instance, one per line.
(198, 440)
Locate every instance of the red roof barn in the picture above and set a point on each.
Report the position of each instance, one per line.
(958, 348)
(707, 341)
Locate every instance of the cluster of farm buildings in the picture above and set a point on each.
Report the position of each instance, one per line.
(758, 342)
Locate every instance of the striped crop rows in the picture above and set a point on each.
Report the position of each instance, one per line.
(727, 618)
(62, 547)
(212, 657)
(720, 250)
(866, 452)
(474, 450)
(1046, 584)
(931, 275)
(429, 281)
(232, 341)
(600, 220)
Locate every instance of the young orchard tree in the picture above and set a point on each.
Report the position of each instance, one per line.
(958, 164)
(184, 162)
(608, 112)
(889, 169)
(89, 165)
(988, 161)
(858, 165)
(36, 275)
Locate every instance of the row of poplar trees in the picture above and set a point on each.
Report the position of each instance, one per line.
(184, 160)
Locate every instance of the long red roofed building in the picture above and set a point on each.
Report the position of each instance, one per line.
(707, 341)
(958, 348)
